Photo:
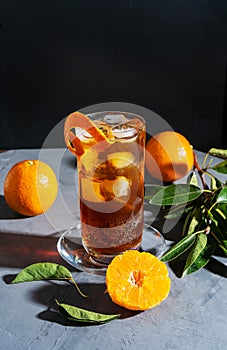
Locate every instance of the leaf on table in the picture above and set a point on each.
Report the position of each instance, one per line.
(198, 246)
(46, 271)
(220, 167)
(42, 271)
(176, 194)
(74, 313)
(179, 248)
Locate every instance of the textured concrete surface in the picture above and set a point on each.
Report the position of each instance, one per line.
(193, 317)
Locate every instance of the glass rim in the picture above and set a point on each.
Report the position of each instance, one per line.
(126, 113)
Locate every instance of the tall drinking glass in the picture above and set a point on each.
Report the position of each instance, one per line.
(111, 186)
(110, 190)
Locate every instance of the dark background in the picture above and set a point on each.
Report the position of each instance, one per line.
(60, 56)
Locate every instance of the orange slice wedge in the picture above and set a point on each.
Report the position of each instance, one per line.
(73, 142)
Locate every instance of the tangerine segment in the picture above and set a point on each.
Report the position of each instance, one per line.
(73, 142)
(137, 281)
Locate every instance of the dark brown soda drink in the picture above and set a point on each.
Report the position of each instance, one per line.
(111, 186)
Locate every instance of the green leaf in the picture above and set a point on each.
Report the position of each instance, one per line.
(193, 179)
(224, 242)
(218, 230)
(220, 167)
(174, 214)
(42, 271)
(193, 225)
(202, 259)
(177, 212)
(223, 246)
(46, 271)
(220, 214)
(222, 196)
(151, 190)
(196, 221)
(221, 153)
(176, 194)
(179, 248)
(186, 221)
(221, 208)
(219, 222)
(74, 313)
(198, 246)
(214, 183)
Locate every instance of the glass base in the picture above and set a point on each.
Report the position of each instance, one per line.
(71, 250)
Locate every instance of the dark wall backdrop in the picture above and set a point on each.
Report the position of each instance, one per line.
(60, 56)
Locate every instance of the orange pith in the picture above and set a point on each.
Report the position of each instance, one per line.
(30, 187)
(137, 281)
(169, 156)
(73, 142)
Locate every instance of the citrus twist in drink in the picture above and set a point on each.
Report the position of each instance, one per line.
(110, 157)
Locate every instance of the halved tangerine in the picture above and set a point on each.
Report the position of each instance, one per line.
(74, 143)
(137, 281)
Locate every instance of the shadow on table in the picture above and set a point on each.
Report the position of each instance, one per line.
(217, 267)
(6, 212)
(98, 301)
(21, 250)
(214, 265)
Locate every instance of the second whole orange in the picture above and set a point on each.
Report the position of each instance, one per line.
(30, 187)
(169, 156)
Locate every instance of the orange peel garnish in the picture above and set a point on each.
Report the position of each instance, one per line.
(73, 142)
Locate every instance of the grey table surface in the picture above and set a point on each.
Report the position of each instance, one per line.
(192, 317)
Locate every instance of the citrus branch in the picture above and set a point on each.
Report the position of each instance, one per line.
(200, 172)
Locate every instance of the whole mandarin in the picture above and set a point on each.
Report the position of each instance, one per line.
(169, 156)
(30, 187)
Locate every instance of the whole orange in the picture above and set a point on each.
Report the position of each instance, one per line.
(30, 187)
(169, 156)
